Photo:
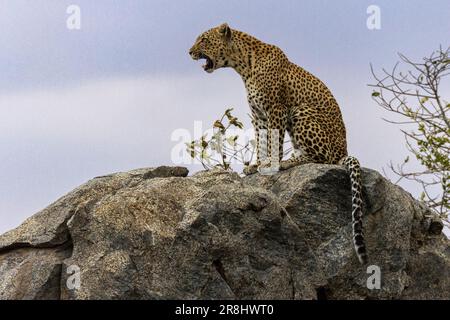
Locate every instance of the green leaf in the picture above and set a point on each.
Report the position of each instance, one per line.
(423, 100)
(232, 140)
(375, 94)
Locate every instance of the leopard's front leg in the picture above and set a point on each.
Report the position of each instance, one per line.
(270, 147)
(260, 125)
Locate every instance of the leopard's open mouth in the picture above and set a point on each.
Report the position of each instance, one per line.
(209, 65)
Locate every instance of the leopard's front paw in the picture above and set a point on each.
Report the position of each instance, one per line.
(268, 168)
(287, 164)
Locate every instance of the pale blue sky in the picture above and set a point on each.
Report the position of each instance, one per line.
(76, 104)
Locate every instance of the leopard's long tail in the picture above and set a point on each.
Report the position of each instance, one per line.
(354, 170)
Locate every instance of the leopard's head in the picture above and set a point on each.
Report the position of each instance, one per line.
(214, 46)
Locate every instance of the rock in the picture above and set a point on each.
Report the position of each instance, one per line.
(157, 233)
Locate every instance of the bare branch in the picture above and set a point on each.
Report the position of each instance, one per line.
(427, 136)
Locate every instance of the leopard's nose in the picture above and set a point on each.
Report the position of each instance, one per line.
(191, 52)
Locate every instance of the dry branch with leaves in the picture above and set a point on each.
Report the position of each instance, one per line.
(414, 96)
(221, 149)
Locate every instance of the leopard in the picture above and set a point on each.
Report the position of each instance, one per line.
(284, 97)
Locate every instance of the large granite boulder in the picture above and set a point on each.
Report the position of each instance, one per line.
(157, 233)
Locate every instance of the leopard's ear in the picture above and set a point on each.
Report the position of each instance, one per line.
(225, 31)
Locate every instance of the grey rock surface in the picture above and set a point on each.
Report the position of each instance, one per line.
(157, 233)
